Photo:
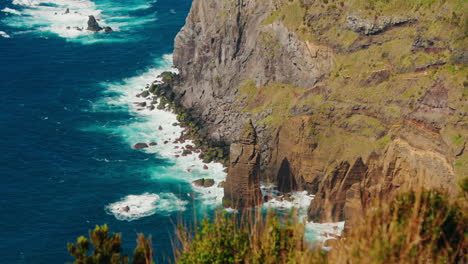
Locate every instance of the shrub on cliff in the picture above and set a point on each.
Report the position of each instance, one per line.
(102, 248)
(246, 239)
(415, 227)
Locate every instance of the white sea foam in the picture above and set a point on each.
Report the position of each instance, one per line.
(50, 16)
(11, 11)
(4, 34)
(320, 232)
(315, 232)
(133, 207)
(299, 200)
(121, 96)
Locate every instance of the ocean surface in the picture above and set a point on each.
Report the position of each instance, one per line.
(68, 122)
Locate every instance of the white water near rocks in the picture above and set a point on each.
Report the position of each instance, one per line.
(133, 207)
(51, 16)
(121, 96)
(315, 232)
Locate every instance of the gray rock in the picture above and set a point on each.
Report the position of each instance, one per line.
(93, 24)
(108, 29)
(371, 27)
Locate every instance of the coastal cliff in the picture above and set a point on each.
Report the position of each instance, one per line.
(242, 187)
(351, 100)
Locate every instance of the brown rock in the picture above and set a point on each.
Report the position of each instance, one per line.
(242, 187)
(140, 146)
(204, 182)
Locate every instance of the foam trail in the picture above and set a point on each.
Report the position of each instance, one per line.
(50, 16)
(11, 11)
(323, 231)
(143, 127)
(315, 232)
(4, 34)
(133, 207)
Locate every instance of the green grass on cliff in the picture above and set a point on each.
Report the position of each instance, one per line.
(385, 74)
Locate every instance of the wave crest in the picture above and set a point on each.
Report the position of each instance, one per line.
(133, 207)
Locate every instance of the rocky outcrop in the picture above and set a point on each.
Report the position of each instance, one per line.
(204, 182)
(93, 25)
(418, 156)
(225, 43)
(242, 186)
(378, 25)
(372, 106)
(140, 146)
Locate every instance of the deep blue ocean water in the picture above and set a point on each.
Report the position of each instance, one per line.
(58, 172)
(68, 122)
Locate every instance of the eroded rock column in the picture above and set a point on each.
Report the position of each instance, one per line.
(242, 187)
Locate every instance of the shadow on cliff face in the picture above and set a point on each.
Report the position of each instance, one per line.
(285, 178)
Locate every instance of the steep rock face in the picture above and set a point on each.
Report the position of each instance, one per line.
(418, 156)
(350, 102)
(293, 164)
(225, 43)
(242, 187)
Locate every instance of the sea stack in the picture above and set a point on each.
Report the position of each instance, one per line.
(242, 187)
(93, 24)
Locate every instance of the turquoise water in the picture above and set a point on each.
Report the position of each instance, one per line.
(68, 123)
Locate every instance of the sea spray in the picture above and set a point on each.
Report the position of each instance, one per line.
(157, 128)
(68, 19)
(133, 207)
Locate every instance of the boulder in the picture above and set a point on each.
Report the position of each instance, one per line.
(108, 29)
(140, 146)
(153, 143)
(204, 182)
(93, 24)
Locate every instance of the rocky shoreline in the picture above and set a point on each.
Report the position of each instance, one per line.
(162, 97)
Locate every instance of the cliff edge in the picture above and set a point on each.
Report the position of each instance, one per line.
(351, 99)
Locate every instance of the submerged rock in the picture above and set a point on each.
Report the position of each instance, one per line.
(204, 182)
(93, 24)
(140, 146)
